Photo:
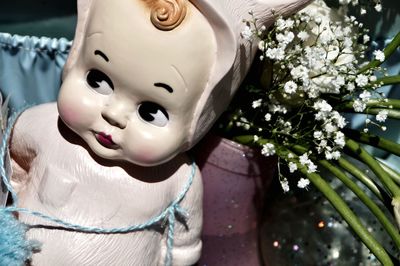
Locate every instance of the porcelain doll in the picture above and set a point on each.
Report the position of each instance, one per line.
(144, 82)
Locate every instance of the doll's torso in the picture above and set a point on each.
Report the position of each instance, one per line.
(57, 176)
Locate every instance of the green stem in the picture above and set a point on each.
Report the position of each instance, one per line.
(375, 103)
(244, 139)
(354, 171)
(343, 209)
(391, 172)
(389, 227)
(374, 166)
(337, 202)
(395, 114)
(388, 51)
(373, 140)
(390, 80)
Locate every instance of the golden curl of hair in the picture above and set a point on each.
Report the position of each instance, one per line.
(167, 14)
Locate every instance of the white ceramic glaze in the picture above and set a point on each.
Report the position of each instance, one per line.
(234, 54)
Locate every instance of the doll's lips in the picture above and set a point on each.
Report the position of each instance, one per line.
(106, 140)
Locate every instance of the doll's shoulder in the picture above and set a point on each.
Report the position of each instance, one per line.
(190, 175)
(39, 115)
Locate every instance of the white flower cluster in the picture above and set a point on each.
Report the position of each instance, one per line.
(311, 62)
(268, 149)
(304, 160)
(329, 140)
(320, 54)
(363, 8)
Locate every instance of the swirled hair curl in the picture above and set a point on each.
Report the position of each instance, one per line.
(167, 14)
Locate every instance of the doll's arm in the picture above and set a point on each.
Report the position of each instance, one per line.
(22, 151)
(187, 242)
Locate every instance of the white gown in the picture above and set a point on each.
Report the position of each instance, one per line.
(55, 173)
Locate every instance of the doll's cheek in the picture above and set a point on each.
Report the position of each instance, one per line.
(68, 115)
(72, 114)
(148, 154)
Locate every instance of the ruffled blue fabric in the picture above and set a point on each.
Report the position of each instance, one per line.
(30, 68)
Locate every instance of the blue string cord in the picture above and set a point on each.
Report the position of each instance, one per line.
(169, 214)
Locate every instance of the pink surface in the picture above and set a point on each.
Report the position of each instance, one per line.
(235, 179)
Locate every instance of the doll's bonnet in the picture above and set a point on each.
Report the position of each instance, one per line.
(234, 53)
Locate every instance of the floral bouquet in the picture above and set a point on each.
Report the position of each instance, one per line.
(314, 75)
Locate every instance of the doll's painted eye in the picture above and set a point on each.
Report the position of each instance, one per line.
(153, 113)
(99, 82)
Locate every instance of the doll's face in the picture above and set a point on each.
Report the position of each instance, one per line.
(132, 92)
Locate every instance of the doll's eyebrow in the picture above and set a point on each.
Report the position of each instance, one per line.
(165, 86)
(101, 54)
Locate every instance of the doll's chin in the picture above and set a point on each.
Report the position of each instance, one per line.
(117, 155)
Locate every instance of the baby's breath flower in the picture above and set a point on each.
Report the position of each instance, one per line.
(285, 38)
(247, 33)
(351, 86)
(336, 155)
(285, 184)
(268, 149)
(318, 135)
(359, 106)
(365, 95)
(256, 103)
(303, 35)
(361, 80)
(290, 87)
(267, 117)
(340, 139)
(379, 55)
(299, 72)
(261, 45)
(339, 119)
(292, 167)
(382, 116)
(304, 159)
(275, 53)
(303, 183)
(280, 24)
(366, 38)
(311, 167)
(330, 128)
(322, 105)
(378, 7)
(328, 155)
(276, 108)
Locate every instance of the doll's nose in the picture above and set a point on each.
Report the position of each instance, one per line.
(115, 117)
